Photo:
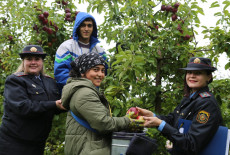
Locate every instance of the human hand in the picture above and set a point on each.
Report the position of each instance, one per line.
(136, 125)
(151, 122)
(144, 112)
(59, 105)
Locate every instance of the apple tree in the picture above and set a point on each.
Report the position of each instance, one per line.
(153, 40)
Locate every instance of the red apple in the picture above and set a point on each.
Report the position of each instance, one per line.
(177, 4)
(56, 27)
(67, 15)
(10, 38)
(187, 37)
(174, 10)
(174, 17)
(68, 19)
(45, 21)
(163, 7)
(46, 14)
(133, 112)
(45, 28)
(49, 31)
(64, 3)
(168, 8)
(140, 118)
(67, 10)
(41, 17)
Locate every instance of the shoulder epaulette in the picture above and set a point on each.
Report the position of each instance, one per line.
(204, 94)
(20, 74)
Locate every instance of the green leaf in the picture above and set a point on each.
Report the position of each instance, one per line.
(215, 4)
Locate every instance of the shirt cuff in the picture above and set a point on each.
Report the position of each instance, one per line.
(161, 126)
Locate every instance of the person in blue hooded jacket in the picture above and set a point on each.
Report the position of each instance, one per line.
(84, 40)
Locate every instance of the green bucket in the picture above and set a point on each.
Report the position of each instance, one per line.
(120, 142)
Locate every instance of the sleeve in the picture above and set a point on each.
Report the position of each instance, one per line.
(89, 106)
(62, 67)
(204, 125)
(19, 102)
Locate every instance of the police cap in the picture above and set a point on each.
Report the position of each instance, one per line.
(32, 50)
(199, 63)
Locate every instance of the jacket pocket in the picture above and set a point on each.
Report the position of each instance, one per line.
(36, 94)
(96, 145)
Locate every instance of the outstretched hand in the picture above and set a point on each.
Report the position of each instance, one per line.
(152, 122)
(144, 112)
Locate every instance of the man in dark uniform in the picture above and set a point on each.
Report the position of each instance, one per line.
(31, 100)
(198, 108)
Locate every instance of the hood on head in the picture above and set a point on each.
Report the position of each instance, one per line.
(81, 16)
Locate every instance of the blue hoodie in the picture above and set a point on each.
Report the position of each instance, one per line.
(69, 50)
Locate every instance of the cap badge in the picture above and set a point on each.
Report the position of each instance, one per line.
(197, 61)
(33, 49)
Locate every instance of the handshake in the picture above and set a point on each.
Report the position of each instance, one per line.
(136, 121)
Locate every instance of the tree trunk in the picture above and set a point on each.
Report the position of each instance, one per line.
(158, 83)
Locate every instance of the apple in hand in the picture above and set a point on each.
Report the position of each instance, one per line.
(133, 112)
(140, 117)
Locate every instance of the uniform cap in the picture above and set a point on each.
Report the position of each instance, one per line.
(32, 50)
(199, 63)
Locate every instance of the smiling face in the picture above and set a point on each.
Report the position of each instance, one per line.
(96, 74)
(85, 31)
(197, 79)
(33, 65)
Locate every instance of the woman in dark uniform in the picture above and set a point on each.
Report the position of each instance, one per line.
(31, 100)
(198, 105)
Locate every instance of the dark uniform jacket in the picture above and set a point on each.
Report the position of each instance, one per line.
(28, 107)
(202, 109)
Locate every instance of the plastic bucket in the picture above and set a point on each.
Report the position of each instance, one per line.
(120, 142)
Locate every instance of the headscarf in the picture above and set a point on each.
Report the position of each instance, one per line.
(87, 61)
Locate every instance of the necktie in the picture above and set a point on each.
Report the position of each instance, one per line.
(39, 81)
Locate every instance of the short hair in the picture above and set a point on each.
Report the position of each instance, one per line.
(87, 19)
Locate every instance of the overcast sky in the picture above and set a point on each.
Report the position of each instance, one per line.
(208, 20)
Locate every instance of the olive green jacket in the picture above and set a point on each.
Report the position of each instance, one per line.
(86, 102)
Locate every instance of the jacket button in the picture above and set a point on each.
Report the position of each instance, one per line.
(36, 92)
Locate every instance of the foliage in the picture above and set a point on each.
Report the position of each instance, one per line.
(220, 35)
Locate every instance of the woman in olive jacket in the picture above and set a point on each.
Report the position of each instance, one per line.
(81, 95)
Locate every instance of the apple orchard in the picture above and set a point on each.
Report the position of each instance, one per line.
(152, 40)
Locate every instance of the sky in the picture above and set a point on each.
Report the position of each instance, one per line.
(208, 20)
